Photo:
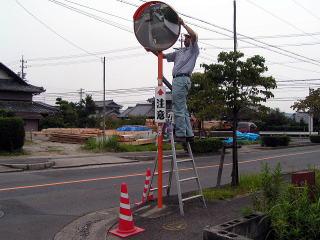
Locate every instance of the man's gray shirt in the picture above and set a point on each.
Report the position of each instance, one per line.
(184, 59)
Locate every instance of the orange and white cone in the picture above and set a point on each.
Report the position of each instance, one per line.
(146, 186)
(126, 225)
(145, 189)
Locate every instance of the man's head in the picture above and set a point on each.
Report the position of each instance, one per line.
(187, 40)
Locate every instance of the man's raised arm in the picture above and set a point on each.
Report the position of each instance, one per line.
(193, 34)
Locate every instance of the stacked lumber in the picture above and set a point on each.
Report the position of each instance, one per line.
(71, 135)
(80, 135)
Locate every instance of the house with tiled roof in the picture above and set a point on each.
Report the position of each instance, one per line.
(146, 109)
(16, 96)
(112, 109)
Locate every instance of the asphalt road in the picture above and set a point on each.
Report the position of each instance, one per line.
(35, 205)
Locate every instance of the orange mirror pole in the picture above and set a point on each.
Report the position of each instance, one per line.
(160, 135)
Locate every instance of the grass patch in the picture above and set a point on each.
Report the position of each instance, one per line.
(112, 145)
(14, 153)
(146, 147)
(52, 149)
(248, 184)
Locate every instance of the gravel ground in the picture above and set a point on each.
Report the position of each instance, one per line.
(189, 227)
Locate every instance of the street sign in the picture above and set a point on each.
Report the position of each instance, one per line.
(156, 26)
(160, 104)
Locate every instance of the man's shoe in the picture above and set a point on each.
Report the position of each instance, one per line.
(180, 139)
(190, 139)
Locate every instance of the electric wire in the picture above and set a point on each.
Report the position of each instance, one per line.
(97, 10)
(84, 55)
(306, 9)
(51, 29)
(280, 18)
(293, 35)
(109, 22)
(310, 60)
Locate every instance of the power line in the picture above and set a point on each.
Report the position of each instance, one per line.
(281, 45)
(51, 29)
(74, 9)
(88, 61)
(84, 55)
(279, 18)
(111, 23)
(307, 10)
(286, 52)
(294, 35)
(300, 80)
(100, 11)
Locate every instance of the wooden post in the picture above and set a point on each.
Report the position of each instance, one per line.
(221, 166)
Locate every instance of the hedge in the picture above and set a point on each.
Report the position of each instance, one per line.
(274, 141)
(11, 134)
(205, 145)
(315, 138)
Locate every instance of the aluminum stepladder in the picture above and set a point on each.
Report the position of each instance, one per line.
(174, 169)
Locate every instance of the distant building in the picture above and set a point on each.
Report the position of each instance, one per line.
(304, 116)
(112, 108)
(146, 109)
(16, 96)
(141, 109)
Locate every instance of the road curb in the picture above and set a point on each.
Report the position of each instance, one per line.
(284, 147)
(30, 166)
(92, 226)
(93, 164)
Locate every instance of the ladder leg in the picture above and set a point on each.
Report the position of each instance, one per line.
(196, 173)
(152, 175)
(170, 177)
(174, 156)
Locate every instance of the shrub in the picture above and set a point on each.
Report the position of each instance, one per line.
(206, 145)
(5, 113)
(110, 145)
(295, 216)
(11, 134)
(53, 121)
(315, 139)
(274, 141)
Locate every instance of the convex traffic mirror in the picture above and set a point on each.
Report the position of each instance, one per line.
(156, 26)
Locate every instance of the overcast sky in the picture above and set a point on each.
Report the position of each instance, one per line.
(61, 45)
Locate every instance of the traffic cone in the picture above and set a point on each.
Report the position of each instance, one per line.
(126, 225)
(145, 189)
(146, 186)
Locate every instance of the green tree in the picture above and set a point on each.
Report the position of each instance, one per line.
(240, 83)
(5, 113)
(86, 109)
(69, 112)
(203, 101)
(310, 104)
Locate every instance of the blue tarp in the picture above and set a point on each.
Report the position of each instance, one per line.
(243, 136)
(127, 128)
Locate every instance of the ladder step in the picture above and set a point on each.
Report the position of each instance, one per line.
(156, 189)
(187, 179)
(184, 160)
(192, 197)
(164, 172)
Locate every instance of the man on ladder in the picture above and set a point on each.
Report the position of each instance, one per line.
(184, 61)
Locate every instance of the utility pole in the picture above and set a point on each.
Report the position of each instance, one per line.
(23, 66)
(81, 92)
(104, 98)
(310, 124)
(235, 170)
